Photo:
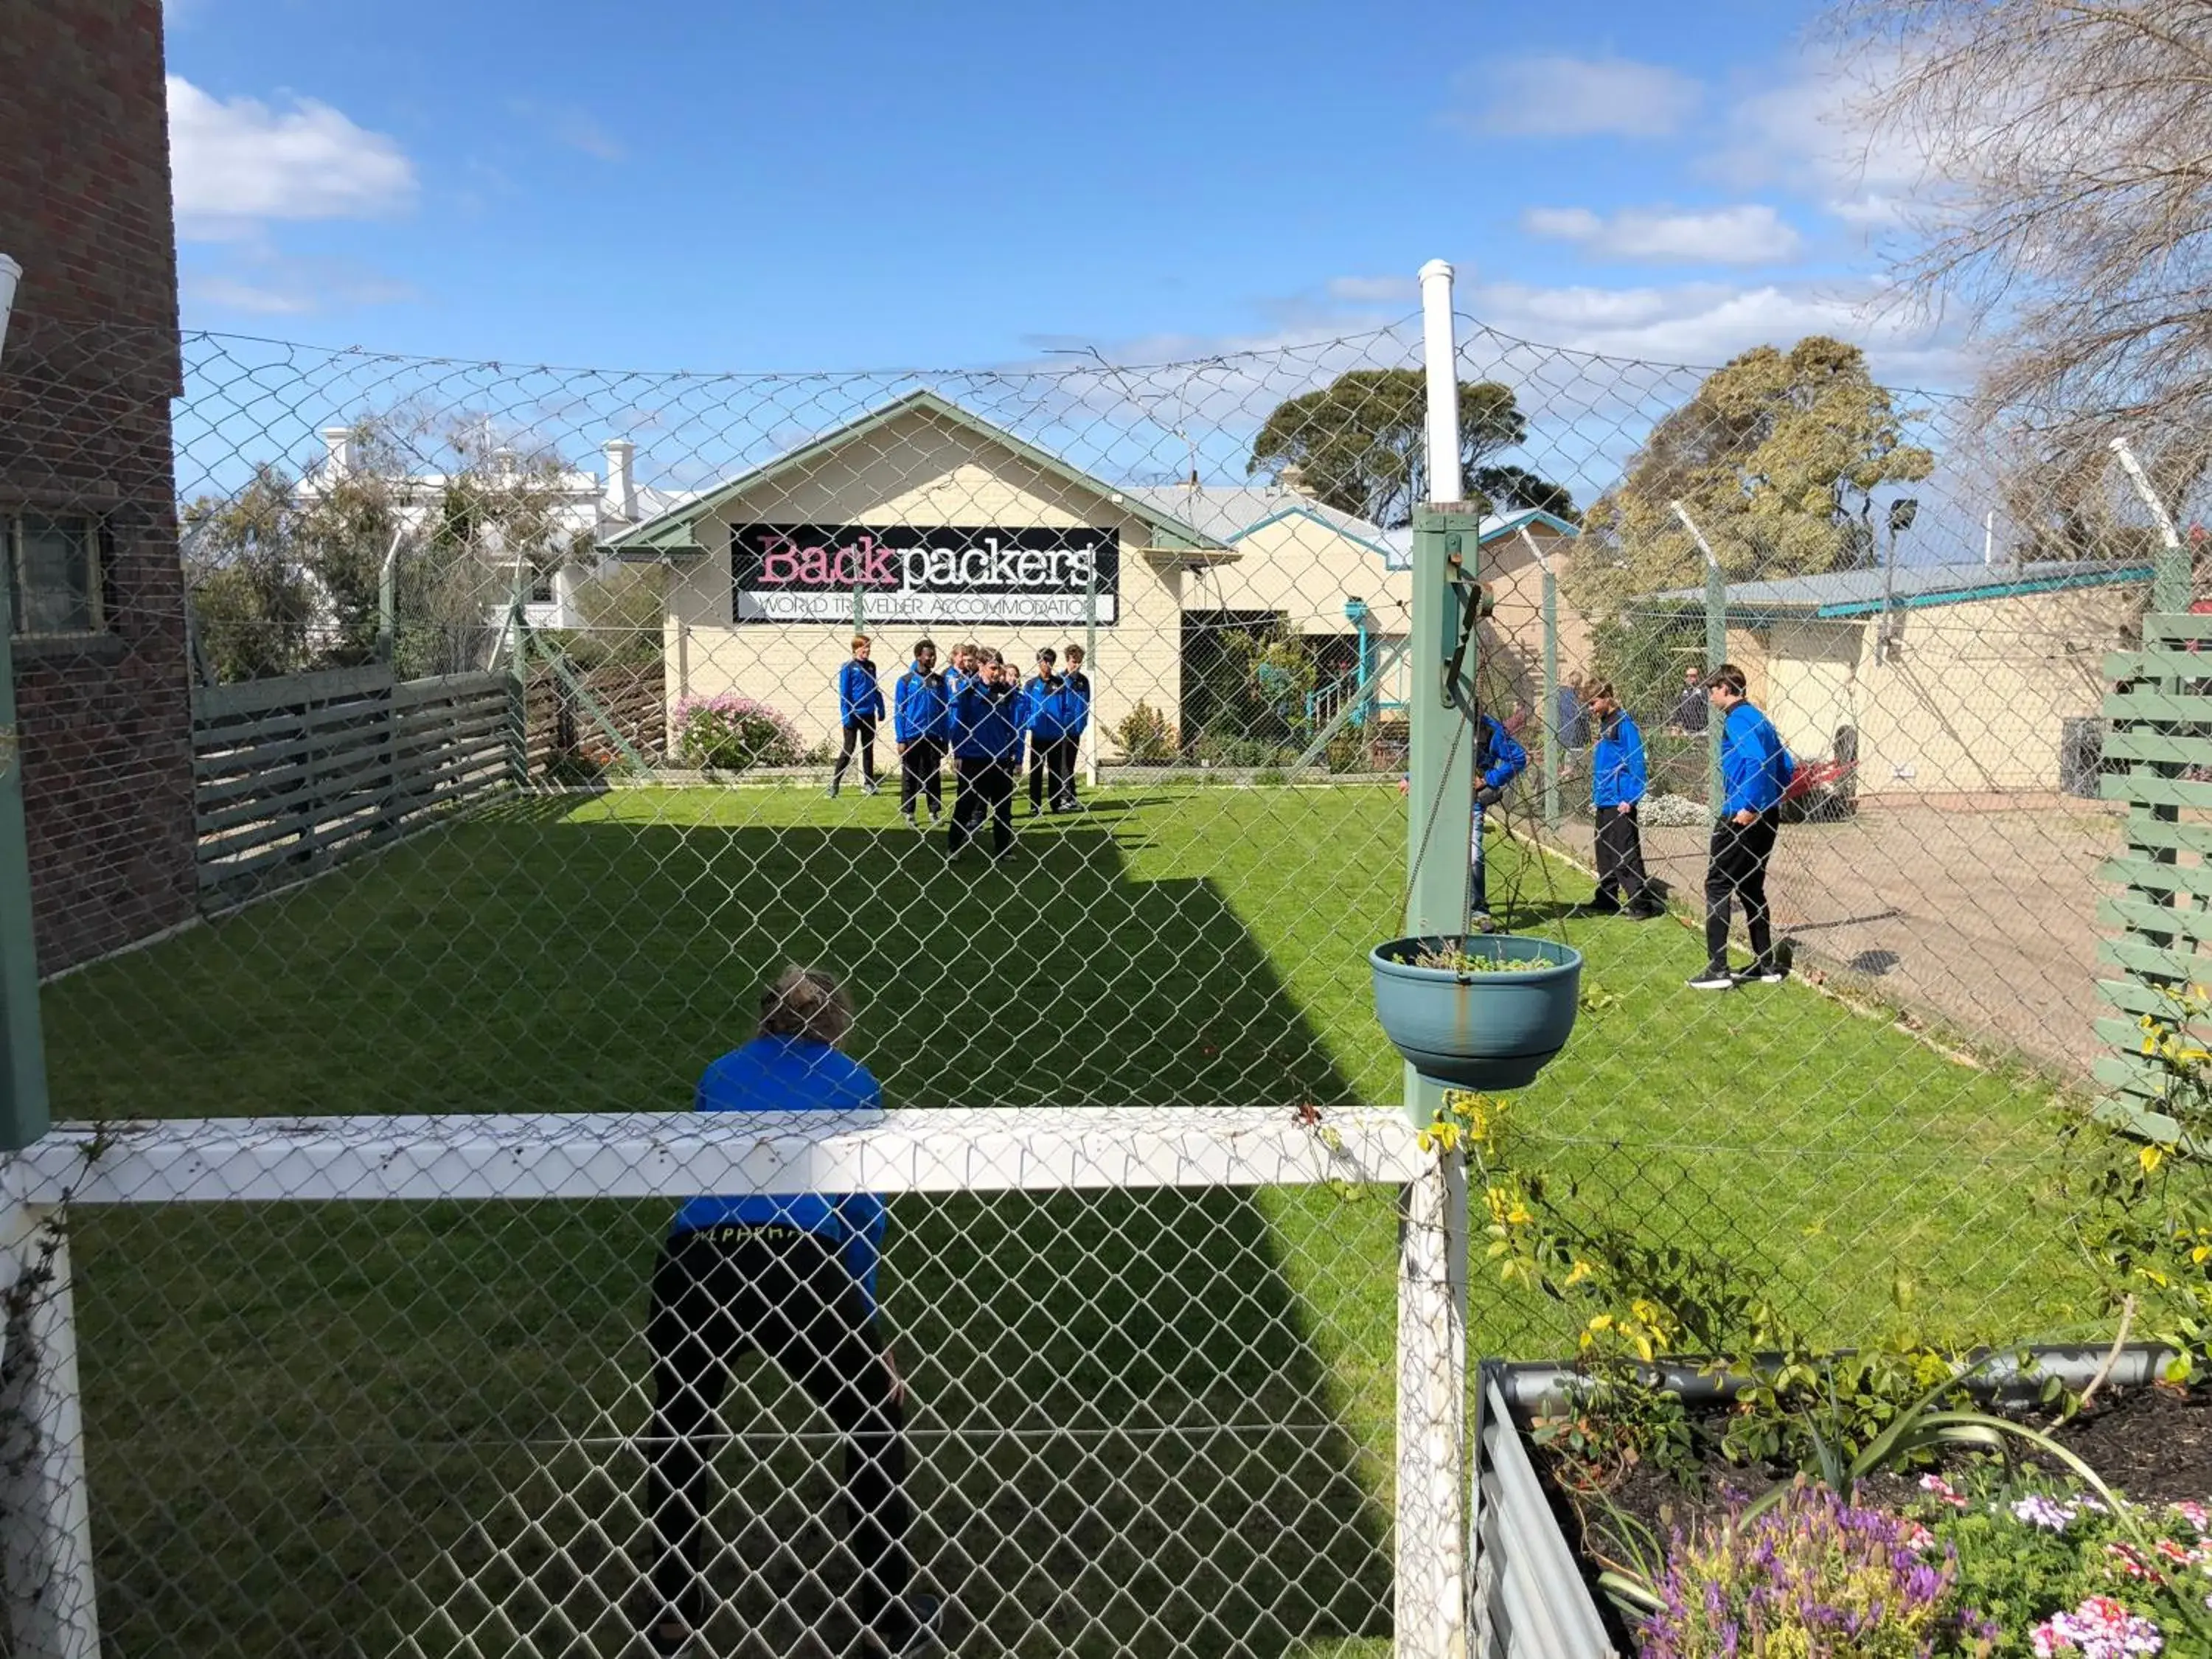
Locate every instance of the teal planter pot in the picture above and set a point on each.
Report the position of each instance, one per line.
(1489, 1032)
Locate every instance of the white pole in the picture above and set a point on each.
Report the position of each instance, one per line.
(1440, 359)
(1429, 1617)
(1990, 539)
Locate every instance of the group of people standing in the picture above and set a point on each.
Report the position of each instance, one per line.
(1755, 772)
(980, 712)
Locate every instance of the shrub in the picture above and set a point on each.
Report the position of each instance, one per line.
(1271, 778)
(1145, 736)
(1812, 1574)
(730, 733)
(1213, 751)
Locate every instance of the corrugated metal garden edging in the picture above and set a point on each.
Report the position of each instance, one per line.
(1530, 1600)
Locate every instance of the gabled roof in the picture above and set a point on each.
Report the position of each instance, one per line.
(1235, 512)
(1847, 593)
(670, 532)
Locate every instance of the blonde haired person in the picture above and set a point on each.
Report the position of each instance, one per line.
(791, 1277)
(859, 706)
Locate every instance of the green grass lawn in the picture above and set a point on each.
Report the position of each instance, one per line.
(1149, 1420)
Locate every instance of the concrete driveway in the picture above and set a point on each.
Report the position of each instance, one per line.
(1980, 910)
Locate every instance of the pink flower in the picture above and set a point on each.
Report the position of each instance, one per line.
(1936, 1484)
(2100, 1628)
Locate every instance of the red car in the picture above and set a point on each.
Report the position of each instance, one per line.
(1823, 790)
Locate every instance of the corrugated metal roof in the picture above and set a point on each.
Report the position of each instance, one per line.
(1229, 512)
(1864, 593)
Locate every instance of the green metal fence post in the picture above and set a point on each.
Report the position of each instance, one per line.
(1090, 667)
(1553, 736)
(24, 1113)
(24, 1110)
(1715, 646)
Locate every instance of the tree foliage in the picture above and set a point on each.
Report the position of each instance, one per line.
(1779, 459)
(286, 575)
(1359, 442)
(2063, 208)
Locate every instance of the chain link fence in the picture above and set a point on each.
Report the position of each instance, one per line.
(412, 738)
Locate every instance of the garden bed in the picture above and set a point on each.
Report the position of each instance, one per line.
(2025, 1550)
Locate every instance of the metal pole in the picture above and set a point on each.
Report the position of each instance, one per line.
(2170, 581)
(1091, 668)
(24, 1111)
(1553, 737)
(1715, 646)
(387, 598)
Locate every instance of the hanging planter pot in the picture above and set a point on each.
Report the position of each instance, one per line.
(1488, 1016)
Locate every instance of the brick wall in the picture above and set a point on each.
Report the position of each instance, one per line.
(89, 366)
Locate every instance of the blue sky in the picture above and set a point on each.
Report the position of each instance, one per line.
(685, 184)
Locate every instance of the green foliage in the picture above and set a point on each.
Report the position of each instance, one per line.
(1358, 443)
(620, 614)
(1145, 736)
(1643, 653)
(1777, 457)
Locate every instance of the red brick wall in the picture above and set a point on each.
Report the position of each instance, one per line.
(87, 372)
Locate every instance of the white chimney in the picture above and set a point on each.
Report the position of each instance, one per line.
(1294, 480)
(620, 501)
(338, 440)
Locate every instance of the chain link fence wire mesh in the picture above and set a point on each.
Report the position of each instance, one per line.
(411, 737)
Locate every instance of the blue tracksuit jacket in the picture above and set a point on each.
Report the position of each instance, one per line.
(1616, 765)
(1755, 768)
(987, 723)
(1498, 758)
(1051, 708)
(1079, 683)
(859, 697)
(921, 706)
(795, 1074)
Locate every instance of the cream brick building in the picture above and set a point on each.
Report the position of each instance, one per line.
(953, 528)
(1957, 679)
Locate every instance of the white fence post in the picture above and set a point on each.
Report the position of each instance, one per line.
(45, 1516)
(1430, 1620)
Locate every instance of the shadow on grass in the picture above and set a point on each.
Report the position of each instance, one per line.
(330, 1428)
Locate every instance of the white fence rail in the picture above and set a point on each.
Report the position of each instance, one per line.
(51, 1521)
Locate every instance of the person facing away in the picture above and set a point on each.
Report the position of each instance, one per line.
(1690, 709)
(987, 748)
(1053, 714)
(1569, 719)
(1617, 786)
(791, 1277)
(859, 706)
(921, 718)
(1755, 768)
(1498, 759)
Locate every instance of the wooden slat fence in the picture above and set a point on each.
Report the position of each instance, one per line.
(2157, 758)
(629, 697)
(292, 775)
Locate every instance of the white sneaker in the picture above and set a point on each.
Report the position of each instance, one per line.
(1713, 979)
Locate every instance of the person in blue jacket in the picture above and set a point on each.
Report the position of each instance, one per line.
(921, 717)
(1617, 786)
(1078, 682)
(1755, 768)
(1052, 715)
(1498, 759)
(859, 706)
(987, 749)
(791, 1277)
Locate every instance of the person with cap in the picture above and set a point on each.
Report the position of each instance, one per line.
(921, 718)
(987, 748)
(792, 1277)
(859, 706)
(1617, 786)
(1052, 716)
(1755, 768)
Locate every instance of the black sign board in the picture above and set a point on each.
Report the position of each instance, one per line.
(802, 572)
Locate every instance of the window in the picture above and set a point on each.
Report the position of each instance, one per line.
(53, 573)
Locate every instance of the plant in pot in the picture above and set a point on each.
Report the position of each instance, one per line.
(1478, 1010)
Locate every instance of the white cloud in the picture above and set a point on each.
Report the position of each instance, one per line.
(240, 163)
(1374, 290)
(1752, 234)
(263, 283)
(1561, 97)
(1809, 133)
